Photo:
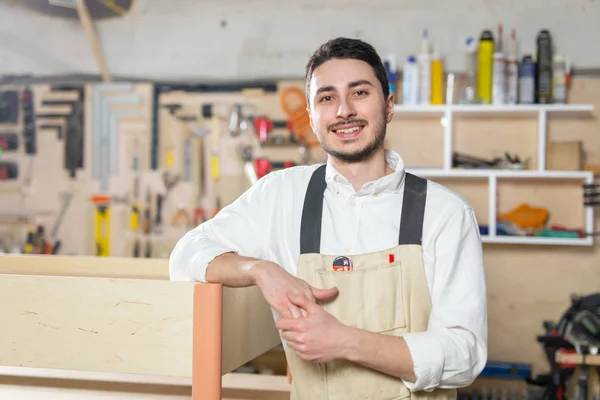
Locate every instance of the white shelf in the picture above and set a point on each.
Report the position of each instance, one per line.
(588, 176)
(531, 240)
(541, 112)
(477, 109)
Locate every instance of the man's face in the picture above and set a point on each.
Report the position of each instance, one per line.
(347, 110)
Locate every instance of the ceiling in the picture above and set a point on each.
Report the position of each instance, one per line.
(98, 9)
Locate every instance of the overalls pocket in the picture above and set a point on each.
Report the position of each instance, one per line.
(370, 297)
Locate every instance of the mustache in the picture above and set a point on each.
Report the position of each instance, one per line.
(351, 121)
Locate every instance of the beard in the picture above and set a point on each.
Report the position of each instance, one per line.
(362, 154)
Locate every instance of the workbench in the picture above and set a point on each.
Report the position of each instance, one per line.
(107, 327)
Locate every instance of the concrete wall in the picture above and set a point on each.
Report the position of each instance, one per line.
(192, 39)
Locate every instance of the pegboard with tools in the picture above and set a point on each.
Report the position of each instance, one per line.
(125, 169)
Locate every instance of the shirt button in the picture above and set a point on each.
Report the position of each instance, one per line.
(352, 202)
(347, 249)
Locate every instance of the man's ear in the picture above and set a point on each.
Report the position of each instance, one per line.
(390, 108)
(310, 120)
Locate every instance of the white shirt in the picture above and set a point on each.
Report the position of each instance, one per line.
(264, 222)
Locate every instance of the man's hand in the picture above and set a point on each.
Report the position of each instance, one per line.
(277, 285)
(318, 336)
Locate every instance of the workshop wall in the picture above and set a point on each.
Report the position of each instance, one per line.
(526, 283)
(185, 39)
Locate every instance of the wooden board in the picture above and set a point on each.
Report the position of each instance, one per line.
(41, 384)
(97, 324)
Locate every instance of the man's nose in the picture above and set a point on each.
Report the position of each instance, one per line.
(346, 109)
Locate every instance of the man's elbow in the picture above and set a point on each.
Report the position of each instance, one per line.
(179, 260)
(474, 359)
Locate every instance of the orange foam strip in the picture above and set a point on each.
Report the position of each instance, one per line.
(207, 343)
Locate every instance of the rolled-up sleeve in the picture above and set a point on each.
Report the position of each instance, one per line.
(453, 350)
(241, 227)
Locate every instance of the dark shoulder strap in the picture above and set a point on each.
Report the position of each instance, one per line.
(411, 224)
(413, 210)
(312, 213)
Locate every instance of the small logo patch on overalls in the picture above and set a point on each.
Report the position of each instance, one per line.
(342, 264)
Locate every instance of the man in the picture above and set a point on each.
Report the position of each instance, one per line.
(375, 275)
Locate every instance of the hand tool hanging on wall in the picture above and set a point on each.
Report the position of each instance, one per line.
(66, 200)
(158, 217)
(135, 206)
(160, 89)
(182, 215)
(235, 121)
(9, 107)
(170, 156)
(102, 225)
(264, 166)
(9, 142)
(147, 227)
(74, 125)
(29, 132)
(8, 170)
(104, 127)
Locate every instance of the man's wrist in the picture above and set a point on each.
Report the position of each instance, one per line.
(349, 343)
(256, 269)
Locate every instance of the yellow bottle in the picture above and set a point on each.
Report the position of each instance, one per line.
(437, 79)
(485, 67)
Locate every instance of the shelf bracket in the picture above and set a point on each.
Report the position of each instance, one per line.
(542, 139)
(447, 123)
(492, 205)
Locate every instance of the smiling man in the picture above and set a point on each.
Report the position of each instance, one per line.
(375, 275)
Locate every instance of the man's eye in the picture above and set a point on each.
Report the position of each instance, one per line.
(325, 98)
(361, 92)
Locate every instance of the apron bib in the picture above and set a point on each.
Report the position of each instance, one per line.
(384, 292)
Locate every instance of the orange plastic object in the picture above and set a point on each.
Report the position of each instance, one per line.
(207, 342)
(526, 217)
(100, 199)
(293, 103)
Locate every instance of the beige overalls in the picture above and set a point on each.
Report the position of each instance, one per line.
(384, 292)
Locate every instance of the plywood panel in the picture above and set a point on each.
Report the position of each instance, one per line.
(489, 138)
(97, 324)
(474, 191)
(245, 312)
(418, 140)
(562, 198)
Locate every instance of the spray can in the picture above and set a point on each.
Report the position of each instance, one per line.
(485, 67)
(527, 80)
(424, 63)
(499, 72)
(410, 82)
(512, 72)
(499, 79)
(559, 80)
(544, 67)
(437, 79)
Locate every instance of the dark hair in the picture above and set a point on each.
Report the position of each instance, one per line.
(347, 48)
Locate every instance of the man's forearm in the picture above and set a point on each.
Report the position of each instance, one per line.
(233, 270)
(385, 353)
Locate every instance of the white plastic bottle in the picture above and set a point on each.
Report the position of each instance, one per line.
(424, 64)
(410, 82)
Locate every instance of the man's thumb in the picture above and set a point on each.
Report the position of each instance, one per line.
(323, 294)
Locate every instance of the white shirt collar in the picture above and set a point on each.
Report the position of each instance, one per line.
(389, 183)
